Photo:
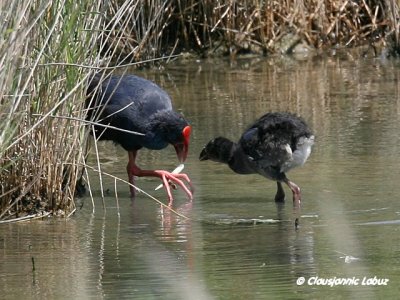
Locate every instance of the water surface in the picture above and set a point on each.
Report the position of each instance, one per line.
(350, 214)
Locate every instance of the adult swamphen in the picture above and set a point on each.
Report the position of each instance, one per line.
(134, 104)
(274, 144)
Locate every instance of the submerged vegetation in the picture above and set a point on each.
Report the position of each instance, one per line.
(49, 48)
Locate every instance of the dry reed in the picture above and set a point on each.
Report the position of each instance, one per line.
(40, 154)
(158, 28)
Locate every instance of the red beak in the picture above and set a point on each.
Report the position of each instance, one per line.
(182, 149)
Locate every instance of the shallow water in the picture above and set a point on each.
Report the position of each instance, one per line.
(349, 218)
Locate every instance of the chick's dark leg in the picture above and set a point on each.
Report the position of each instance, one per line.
(280, 193)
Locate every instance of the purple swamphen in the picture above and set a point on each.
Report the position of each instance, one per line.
(138, 114)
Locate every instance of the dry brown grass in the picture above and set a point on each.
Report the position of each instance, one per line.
(155, 28)
(329, 23)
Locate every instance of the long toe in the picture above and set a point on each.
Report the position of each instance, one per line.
(186, 178)
(176, 179)
(167, 188)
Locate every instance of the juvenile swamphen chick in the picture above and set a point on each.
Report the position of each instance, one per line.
(132, 103)
(274, 144)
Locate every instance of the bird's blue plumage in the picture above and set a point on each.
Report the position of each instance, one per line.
(133, 103)
(146, 96)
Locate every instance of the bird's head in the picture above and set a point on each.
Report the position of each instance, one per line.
(219, 149)
(170, 128)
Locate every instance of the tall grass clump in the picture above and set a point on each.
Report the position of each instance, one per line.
(325, 24)
(135, 30)
(41, 98)
(155, 28)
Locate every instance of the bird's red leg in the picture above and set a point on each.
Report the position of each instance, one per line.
(129, 167)
(295, 190)
(165, 176)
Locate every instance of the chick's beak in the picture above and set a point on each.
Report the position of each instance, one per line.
(203, 155)
(182, 149)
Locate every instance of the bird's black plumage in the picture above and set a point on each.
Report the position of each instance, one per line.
(138, 114)
(274, 144)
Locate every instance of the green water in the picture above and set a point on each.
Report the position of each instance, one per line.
(350, 213)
